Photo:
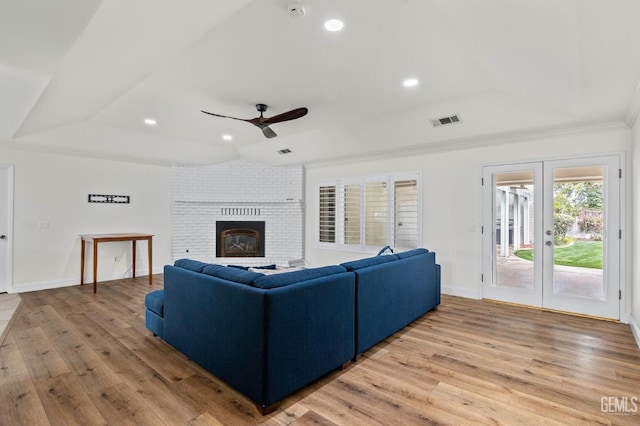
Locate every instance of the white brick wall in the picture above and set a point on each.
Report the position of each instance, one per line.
(203, 195)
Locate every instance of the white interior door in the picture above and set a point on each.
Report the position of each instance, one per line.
(6, 220)
(551, 235)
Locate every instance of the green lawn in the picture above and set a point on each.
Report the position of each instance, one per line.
(586, 254)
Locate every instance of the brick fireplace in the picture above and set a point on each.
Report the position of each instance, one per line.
(238, 192)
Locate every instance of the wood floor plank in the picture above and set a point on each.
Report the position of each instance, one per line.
(157, 354)
(287, 416)
(120, 405)
(72, 357)
(493, 411)
(21, 404)
(66, 403)
(91, 372)
(230, 406)
(40, 356)
(311, 418)
(205, 419)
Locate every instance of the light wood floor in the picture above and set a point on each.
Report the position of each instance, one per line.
(72, 357)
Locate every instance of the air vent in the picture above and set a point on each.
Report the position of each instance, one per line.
(443, 121)
(284, 151)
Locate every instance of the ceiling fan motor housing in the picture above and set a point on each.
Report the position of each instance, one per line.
(296, 9)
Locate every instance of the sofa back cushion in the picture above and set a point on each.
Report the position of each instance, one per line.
(411, 253)
(190, 264)
(281, 280)
(369, 261)
(232, 274)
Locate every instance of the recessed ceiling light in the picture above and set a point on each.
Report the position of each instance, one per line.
(227, 138)
(333, 25)
(150, 122)
(410, 82)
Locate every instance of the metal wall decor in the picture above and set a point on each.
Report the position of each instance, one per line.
(114, 199)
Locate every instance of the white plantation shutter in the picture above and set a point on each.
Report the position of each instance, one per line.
(327, 214)
(375, 214)
(367, 214)
(406, 214)
(352, 213)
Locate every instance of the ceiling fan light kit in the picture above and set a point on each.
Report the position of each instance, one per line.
(263, 122)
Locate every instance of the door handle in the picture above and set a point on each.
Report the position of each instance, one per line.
(549, 243)
(3, 237)
(548, 232)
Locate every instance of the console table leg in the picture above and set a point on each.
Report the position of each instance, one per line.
(150, 245)
(95, 266)
(133, 252)
(82, 261)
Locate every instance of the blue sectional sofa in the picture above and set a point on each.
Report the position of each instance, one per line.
(270, 335)
(391, 292)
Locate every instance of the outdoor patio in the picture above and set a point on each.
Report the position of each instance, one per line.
(568, 280)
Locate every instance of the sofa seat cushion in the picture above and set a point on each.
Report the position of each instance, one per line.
(190, 264)
(281, 280)
(369, 261)
(154, 302)
(232, 274)
(411, 253)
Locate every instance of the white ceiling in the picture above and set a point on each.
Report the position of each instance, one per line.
(80, 76)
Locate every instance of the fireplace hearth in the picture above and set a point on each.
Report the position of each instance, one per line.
(240, 239)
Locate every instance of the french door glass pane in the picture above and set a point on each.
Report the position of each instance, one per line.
(514, 229)
(578, 218)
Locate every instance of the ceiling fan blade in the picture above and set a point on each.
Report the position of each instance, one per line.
(268, 132)
(286, 116)
(226, 116)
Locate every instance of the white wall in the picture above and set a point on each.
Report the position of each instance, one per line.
(452, 199)
(54, 189)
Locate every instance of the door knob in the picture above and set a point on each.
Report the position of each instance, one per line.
(3, 237)
(548, 232)
(548, 243)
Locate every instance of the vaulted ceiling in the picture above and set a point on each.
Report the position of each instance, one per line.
(81, 76)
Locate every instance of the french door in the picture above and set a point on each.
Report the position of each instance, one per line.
(551, 235)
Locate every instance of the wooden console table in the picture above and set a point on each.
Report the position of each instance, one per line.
(101, 238)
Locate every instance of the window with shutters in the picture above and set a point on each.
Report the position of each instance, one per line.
(351, 210)
(327, 214)
(369, 213)
(406, 214)
(375, 214)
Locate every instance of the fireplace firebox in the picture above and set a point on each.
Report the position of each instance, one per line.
(239, 239)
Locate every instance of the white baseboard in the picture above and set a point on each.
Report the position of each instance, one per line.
(48, 285)
(635, 329)
(452, 291)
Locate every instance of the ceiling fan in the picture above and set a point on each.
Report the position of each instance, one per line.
(264, 122)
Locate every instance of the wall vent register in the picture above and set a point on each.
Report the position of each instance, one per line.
(443, 121)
